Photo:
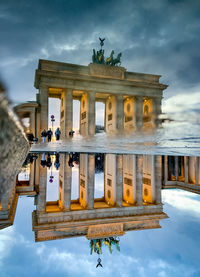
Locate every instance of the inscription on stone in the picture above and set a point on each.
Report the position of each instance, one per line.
(100, 70)
(105, 230)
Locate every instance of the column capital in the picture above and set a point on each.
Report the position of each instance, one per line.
(138, 97)
(157, 97)
(91, 94)
(119, 96)
(43, 87)
(68, 90)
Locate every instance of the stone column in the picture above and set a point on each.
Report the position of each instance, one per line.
(83, 180)
(119, 112)
(156, 108)
(32, 122)
(80, 118)
(176, 168)
(41, 200)
(153, 178)
(186, 169)
(32, 173)
(119, 180)
(66, 186)
(158, 180)
(139, 111)
(165, 170)
(91, 180)
(37, 171)
(105, 115)
(38, 133)
(91, 112)
(134, 180)
(196, 170)
(139, 179)
(37, 179)
(43, 108)
(68, 112)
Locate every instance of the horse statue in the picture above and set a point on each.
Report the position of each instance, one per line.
(110, 59)
(100, 56)
(117, 61)
(94, 56)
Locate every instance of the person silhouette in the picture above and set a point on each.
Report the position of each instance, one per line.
(43, 160)
(57, 162)
(49, 134)
(57, 133)
(43, 135)
(48, 163)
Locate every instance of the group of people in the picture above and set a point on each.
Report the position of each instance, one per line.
(49, 134)
(48, 163)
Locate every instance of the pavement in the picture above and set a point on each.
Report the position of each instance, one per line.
(101, 143)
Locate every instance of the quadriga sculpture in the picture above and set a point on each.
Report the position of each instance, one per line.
(98, 56)
(94, 56)
(101, 56)
(117, 61)
(109, 60)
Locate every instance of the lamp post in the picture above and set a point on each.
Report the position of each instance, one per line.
(52, 120)
(51, 177)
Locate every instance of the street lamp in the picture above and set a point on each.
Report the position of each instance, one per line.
(51, 177)
(52, 120)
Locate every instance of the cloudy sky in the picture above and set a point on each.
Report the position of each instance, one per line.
(157, 36)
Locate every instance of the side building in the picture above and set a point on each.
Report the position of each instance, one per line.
(181, 172)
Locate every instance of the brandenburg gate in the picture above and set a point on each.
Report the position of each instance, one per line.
(132, 100)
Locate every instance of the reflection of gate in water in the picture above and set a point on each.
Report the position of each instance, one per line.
(148, 179)
(83, 178)
(110, 179)
(129, 179)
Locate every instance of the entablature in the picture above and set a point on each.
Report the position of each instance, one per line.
(87, 78)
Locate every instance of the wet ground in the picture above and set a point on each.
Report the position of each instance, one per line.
(175, 138)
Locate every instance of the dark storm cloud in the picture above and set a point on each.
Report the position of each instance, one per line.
(154, 36)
